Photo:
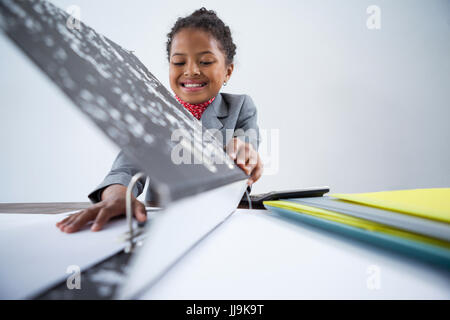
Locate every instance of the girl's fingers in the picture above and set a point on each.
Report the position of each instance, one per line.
(252, 160)
(247, 158)
(102, 218)
(63, 221)
(233, 147)
(257, 172)
(139, 211)
(101, 213)
(68, 220)
(241, 156)
(83, 218)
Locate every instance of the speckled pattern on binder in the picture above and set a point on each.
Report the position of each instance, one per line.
(115, 90)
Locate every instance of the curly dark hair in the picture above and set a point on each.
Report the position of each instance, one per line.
(208, 21)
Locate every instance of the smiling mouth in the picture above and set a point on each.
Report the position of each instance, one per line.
(193, 85)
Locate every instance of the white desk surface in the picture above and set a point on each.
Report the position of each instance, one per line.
(257, 254)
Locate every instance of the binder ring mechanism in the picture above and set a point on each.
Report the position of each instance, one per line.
(132, 234)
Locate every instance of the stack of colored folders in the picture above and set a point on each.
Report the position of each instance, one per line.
(415, 222)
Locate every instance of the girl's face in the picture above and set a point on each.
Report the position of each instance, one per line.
(197, 66)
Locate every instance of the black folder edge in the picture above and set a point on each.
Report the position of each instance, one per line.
(257, 199)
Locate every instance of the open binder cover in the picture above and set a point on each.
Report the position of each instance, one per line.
(117, 92)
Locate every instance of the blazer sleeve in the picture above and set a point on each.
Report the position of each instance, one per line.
(121, 173)
(246, 127)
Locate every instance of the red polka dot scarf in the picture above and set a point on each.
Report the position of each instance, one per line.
(196, 109)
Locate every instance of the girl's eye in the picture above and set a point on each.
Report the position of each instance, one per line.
(202, 62)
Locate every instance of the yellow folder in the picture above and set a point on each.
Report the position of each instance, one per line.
(355, 222)
(431, 203)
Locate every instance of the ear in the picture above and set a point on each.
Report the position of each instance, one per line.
(229, 71)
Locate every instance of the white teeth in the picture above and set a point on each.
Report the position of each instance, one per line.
(192, 85)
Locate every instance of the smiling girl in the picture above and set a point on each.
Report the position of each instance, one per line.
(200, 51)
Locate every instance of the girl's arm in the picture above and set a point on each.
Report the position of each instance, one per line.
(108, 199)
(243, 148)
(121, 173)
(247, 124)
(112, 204)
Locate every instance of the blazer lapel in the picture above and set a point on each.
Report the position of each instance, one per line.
(212, 115)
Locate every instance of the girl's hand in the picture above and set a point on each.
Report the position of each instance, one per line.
(247, 158)
(112, 204)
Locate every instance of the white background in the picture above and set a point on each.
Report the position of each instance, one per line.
(356, 109)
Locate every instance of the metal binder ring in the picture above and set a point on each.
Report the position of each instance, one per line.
(129, 209)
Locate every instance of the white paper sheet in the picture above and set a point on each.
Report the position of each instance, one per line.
(256, 255)
(35, 254)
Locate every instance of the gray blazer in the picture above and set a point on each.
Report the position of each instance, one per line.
(227, 111)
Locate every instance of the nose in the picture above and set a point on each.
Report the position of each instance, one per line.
(191, 69)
